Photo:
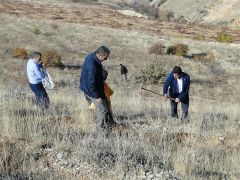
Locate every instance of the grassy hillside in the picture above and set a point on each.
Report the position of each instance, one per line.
(63, 143)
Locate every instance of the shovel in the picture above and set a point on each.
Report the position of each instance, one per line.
(156, 93)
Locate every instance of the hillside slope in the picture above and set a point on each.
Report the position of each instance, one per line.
(221, 12)
(191, 11)
(206, 11)
(225, 11)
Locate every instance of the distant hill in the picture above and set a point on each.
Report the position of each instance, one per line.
(221, 12)
(207, 11)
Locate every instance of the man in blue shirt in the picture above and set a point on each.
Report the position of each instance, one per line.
(177, 85)
(92, 84)
(35, 77)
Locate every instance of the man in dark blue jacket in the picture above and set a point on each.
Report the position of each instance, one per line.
(92, 84)
(179, 83)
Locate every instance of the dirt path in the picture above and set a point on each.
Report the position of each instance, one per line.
(100, 15)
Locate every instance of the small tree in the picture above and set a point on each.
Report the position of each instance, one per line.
(152, 74)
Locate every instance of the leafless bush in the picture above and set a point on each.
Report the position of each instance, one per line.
(178, 50)
(20, 53)
(50, 57)
(157, 49)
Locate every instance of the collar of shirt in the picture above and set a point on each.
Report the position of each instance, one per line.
(96, 58)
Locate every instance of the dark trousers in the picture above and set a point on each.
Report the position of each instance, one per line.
(174, 112)
(42, 99)
(104, 115)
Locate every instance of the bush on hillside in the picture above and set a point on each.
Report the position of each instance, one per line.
(201, 37)
(178, 50)
(224, 37)
(20, 53)
(157, 49)
(51, 58)
(151, 74)
(36, 30)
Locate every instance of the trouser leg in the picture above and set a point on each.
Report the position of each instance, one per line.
(123, 78)
(104, 115)
(173, 106)
(184, 110)
(42, 99)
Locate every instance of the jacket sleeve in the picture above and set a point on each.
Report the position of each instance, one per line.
(39, 74)
(167, 83)
(185, 90)
(92, 73)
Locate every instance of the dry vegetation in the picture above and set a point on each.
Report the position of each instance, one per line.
(63, 144)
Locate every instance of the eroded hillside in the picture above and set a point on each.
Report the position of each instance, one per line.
(102, 15)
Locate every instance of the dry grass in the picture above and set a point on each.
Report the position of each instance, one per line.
(63, 143)
(20, 53)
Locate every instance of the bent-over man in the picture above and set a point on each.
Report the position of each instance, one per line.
(177, 85)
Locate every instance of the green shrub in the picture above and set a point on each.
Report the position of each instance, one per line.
(201, 37)
(224, 37)
(178, 50)
(151, 74)
(20, 53)
(51, 58)
(157, 49)
(36, 30)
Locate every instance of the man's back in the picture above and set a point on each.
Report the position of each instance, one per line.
(91, 82)
(123, 69)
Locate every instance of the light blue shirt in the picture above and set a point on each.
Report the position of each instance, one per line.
(34, 73)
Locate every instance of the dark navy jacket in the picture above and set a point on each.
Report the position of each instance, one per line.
(91, 80)
(173, 91)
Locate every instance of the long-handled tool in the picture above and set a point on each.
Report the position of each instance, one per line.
(156, 93)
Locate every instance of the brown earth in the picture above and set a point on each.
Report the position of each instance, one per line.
(96, 14)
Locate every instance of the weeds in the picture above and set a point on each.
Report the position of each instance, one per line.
(51, 58)
(20, 53)
(224, 37)
(36, 31)
(157, 49)
(178, 50)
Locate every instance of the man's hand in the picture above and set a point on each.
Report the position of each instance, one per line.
(177, 100)
(99, 100)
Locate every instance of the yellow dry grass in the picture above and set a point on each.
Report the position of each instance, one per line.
(32, 142)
